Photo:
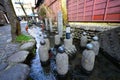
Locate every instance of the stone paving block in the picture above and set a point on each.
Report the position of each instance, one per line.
(3, 66)
(18, 56)
(27, 46)
(11, 48)
(15, 72)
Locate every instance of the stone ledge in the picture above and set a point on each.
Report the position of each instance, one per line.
(15, 72)
(27, 46)
(19, 56)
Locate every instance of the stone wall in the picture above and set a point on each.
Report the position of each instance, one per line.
(91, 31)
(110, 42)
(109, 38)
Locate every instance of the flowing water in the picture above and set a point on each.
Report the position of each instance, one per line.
(103, 70)
(37, 71)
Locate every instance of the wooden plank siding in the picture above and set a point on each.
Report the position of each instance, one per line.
(93, 10)
(88, 10)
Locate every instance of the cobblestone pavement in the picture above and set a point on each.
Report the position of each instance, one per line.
(4, 34)
(7, 48)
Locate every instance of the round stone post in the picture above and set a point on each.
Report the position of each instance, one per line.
(68, 32)
(62, 61)
(42, 25)
(46, 23)
(60, 24)
(70, 49)
(57, 40)
(88, 59)
(43, 52)
(50, 24)
(96, 45)
(47, 41)
(68, 41)
(83, 40)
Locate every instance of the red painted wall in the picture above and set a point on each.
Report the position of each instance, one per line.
(88, 10)
(93, 10)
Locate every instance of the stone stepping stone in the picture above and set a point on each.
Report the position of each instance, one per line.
(3, 66)
(15, 72)
(11, 48)
(27, 46)
(2, 54)
(18, 56)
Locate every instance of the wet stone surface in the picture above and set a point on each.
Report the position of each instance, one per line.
(104, 69)
(110, 43)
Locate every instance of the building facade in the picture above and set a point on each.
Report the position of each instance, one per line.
(27, 4)
(88, 10)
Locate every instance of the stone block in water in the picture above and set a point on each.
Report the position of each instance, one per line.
(96, 47)
(47, 43)
(60, 24)
(88, 59)
(43, 53)
(83, 41)
(70, 49)
(68, 43)
(62, 63)
(57, 39)
(50, 24)
(46, 23)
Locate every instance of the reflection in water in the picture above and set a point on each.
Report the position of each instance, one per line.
(37, 72)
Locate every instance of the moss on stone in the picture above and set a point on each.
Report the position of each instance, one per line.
(23, 38)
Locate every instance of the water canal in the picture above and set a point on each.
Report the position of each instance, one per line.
(104, 69)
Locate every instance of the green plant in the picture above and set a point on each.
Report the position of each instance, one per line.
(42, 11)
(23, 38)
(34, 51)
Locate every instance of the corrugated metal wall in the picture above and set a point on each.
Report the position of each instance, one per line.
(93, 10)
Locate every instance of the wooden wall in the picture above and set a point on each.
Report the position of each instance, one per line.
(93, 10)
